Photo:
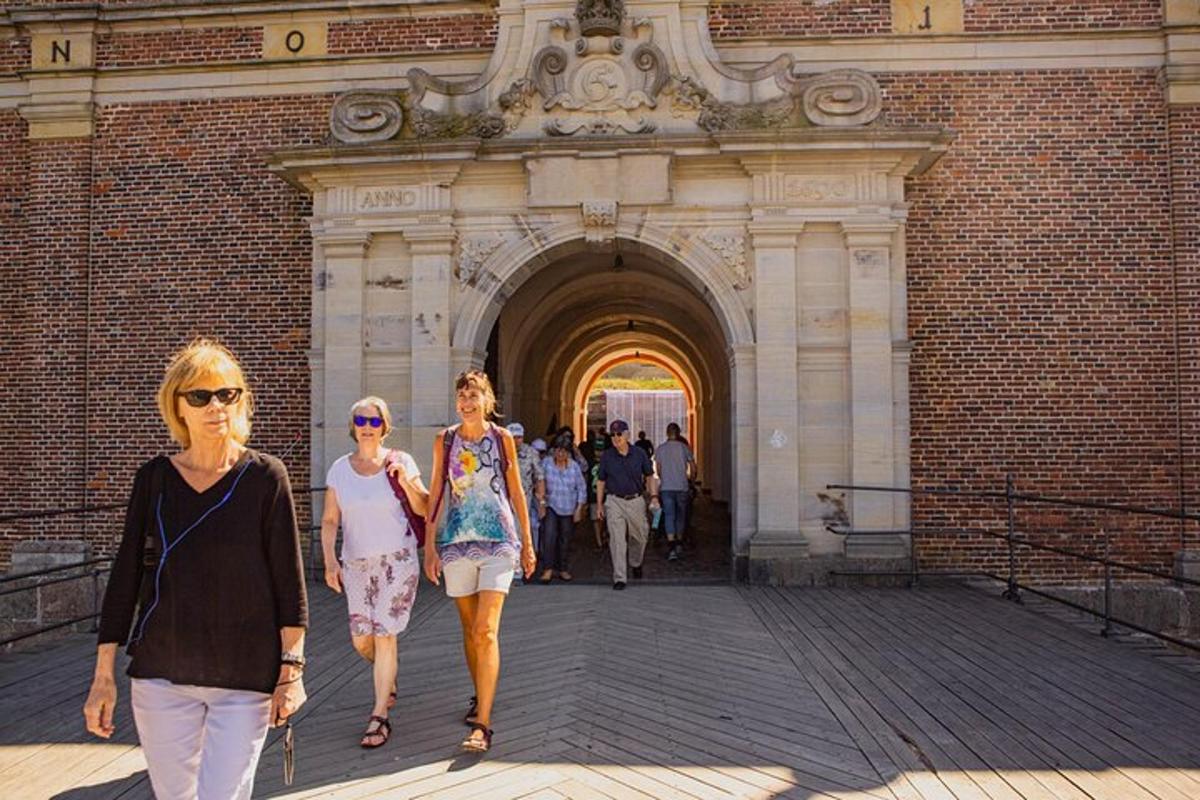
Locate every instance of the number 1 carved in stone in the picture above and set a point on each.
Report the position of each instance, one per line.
(928, 23)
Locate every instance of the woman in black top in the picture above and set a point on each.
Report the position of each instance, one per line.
(210, 559)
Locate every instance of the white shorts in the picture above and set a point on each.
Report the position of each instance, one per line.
(468, 576)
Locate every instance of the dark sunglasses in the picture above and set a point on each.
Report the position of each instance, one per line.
(199, 398)
(361, 421)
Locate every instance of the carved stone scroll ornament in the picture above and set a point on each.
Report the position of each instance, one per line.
(359, 117)
(713, 115)
(500, 119)
(841, 99)
(731, 245)
(473, 253)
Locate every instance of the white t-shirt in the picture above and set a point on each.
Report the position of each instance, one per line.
(373, 523)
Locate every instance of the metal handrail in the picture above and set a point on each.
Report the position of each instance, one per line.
(1026, 498)
(51, 570)
(59, 512)
(1015, 587)
(84, 510)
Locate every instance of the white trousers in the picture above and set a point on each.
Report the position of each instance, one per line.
(201, 743)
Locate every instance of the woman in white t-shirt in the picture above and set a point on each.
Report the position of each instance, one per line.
(379, 570)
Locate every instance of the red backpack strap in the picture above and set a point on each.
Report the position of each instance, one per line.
(447, 444)
(503, 454)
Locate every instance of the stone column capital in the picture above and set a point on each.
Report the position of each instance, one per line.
(430, 240)
(342, 242)
(869, 234)
(775, 233)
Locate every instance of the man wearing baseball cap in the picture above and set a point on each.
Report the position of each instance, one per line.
(621, 483)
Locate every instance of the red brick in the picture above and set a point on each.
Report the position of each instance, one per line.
(413, 34)
(194, 45)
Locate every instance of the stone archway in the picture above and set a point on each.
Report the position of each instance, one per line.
(777, 199)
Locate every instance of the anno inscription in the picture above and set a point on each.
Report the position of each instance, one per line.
(388, 197)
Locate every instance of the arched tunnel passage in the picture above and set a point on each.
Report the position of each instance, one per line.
(582, 313)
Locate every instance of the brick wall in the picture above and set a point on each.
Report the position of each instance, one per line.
(413, 34)
(13, 188)
(1040, 303)
(14, 54)
(178, 46)
(790, 18)
(1040, 15)
(1185, 150)
(793, 18)
(192, 236)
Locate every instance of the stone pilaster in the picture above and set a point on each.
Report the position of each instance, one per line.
(872, 388)
(745, 438)
(777, 538)
(341, 284)
(432, 402)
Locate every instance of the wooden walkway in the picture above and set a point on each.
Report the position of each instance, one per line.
(690, 692)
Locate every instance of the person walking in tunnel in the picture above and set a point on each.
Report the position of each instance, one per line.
(481, 525)
(565, 492)
(676, 467)
(529, 465)
(624, 475)
(378, 570)
(593, 446)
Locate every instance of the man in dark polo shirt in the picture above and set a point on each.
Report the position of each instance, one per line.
(620, 485)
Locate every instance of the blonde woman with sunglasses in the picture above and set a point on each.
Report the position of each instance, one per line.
(379, 570)
(210, 561)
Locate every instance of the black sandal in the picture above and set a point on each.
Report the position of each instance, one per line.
(481, 744)
(467, 718)
(382, 728)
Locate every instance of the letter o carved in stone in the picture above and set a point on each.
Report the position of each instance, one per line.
(359, 117)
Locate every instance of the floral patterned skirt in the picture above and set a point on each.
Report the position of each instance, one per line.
(380, 591)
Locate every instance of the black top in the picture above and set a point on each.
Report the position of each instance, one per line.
(224, 589)
(624, 474)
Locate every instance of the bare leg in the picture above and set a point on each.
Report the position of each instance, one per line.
(365, 645)
(466, 615)
(485, 631)
(385, 673)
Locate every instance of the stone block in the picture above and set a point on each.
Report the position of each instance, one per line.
(1187, 564)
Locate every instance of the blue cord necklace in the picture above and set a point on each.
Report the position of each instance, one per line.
(167, 548)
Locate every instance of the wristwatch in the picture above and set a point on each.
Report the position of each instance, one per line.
(292, 659)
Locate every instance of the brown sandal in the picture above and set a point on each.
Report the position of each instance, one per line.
(469, 717)
(481, 744)
(383, 728)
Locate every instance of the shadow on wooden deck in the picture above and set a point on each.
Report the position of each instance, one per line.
(689, 691)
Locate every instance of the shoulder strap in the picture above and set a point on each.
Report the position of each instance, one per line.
(447, 444)
(503, 453)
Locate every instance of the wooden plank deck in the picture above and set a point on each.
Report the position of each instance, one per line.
(690, 692)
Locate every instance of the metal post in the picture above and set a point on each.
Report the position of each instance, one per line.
(1012, 592)
(1107, 630)
(95, 601)
(914, 581)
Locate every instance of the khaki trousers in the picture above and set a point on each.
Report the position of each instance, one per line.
(626, 517)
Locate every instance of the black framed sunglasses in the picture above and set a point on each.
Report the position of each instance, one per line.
(199, 398)
(360, 421)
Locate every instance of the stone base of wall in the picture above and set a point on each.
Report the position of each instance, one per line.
(1166, 609)
(777, 569)
(29, 610)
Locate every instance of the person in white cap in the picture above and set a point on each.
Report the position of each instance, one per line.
(529, 466)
